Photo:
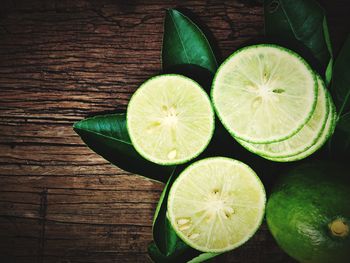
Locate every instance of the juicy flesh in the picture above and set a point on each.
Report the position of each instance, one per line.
(171, 119)
(264, 94)
(303, 139)
(217, 205)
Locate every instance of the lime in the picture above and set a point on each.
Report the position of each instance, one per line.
(170, 119)
(264, 93)
(326, 133)
(308, 213)
(216, 204)
(303, 139)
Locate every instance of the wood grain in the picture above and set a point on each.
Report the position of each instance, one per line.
(61, 61)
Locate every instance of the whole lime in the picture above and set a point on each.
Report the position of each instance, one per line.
(308, 213)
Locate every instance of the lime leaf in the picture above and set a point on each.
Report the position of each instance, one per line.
(344, 122)
(341, 80)
(163, 235)
(107, 135)
(203, 257)
(340, 89)
(157, 256)
(301, 25)
(185, 43)
(184, 254)
(167, 246)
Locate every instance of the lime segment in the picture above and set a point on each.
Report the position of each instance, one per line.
(170, 119)
(216, 204)
(264, 93)
(302, 140)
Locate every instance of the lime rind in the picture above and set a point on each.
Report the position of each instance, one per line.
(302, 140)
(309, 107)
(209, 115)
(256, 189)
(323, 138)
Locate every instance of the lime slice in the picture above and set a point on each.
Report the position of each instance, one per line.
(302, 140)
(326, 133)
(264, 93)
(216, 204)
(170, 119)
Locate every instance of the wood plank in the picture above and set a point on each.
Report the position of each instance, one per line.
(61, 61)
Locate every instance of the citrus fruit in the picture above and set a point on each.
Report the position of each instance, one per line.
(308, 213)
(264, 93)
(216, 204)
(170, 119)
(325, 135)
(302, 140)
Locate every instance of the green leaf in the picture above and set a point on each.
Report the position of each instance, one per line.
(167, 246)
(340, 89)
(185, 43)
(203, 257)
(301, 25)
(344, 123)
(107, 135)
(341, 80)
(185, 255)
(163, 234)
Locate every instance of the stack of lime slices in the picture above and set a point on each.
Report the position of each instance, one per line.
(273, 103)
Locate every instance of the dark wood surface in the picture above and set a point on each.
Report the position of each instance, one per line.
(61, 61)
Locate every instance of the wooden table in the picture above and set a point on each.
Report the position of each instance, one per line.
(61, 61)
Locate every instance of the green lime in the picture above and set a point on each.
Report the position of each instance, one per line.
(216, 204)
(302, 140)
(308, 213)
(325, 135)
(264, 93)
(170, 119)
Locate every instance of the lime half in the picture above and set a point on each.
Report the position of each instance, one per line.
(264, 93)
(216, 204)
(170, 119)
(303, 139)
(326, 133)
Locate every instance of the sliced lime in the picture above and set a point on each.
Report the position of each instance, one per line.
(264, 93)
(170, 119)
(216, 204)
(326, 133)
(302, 140)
